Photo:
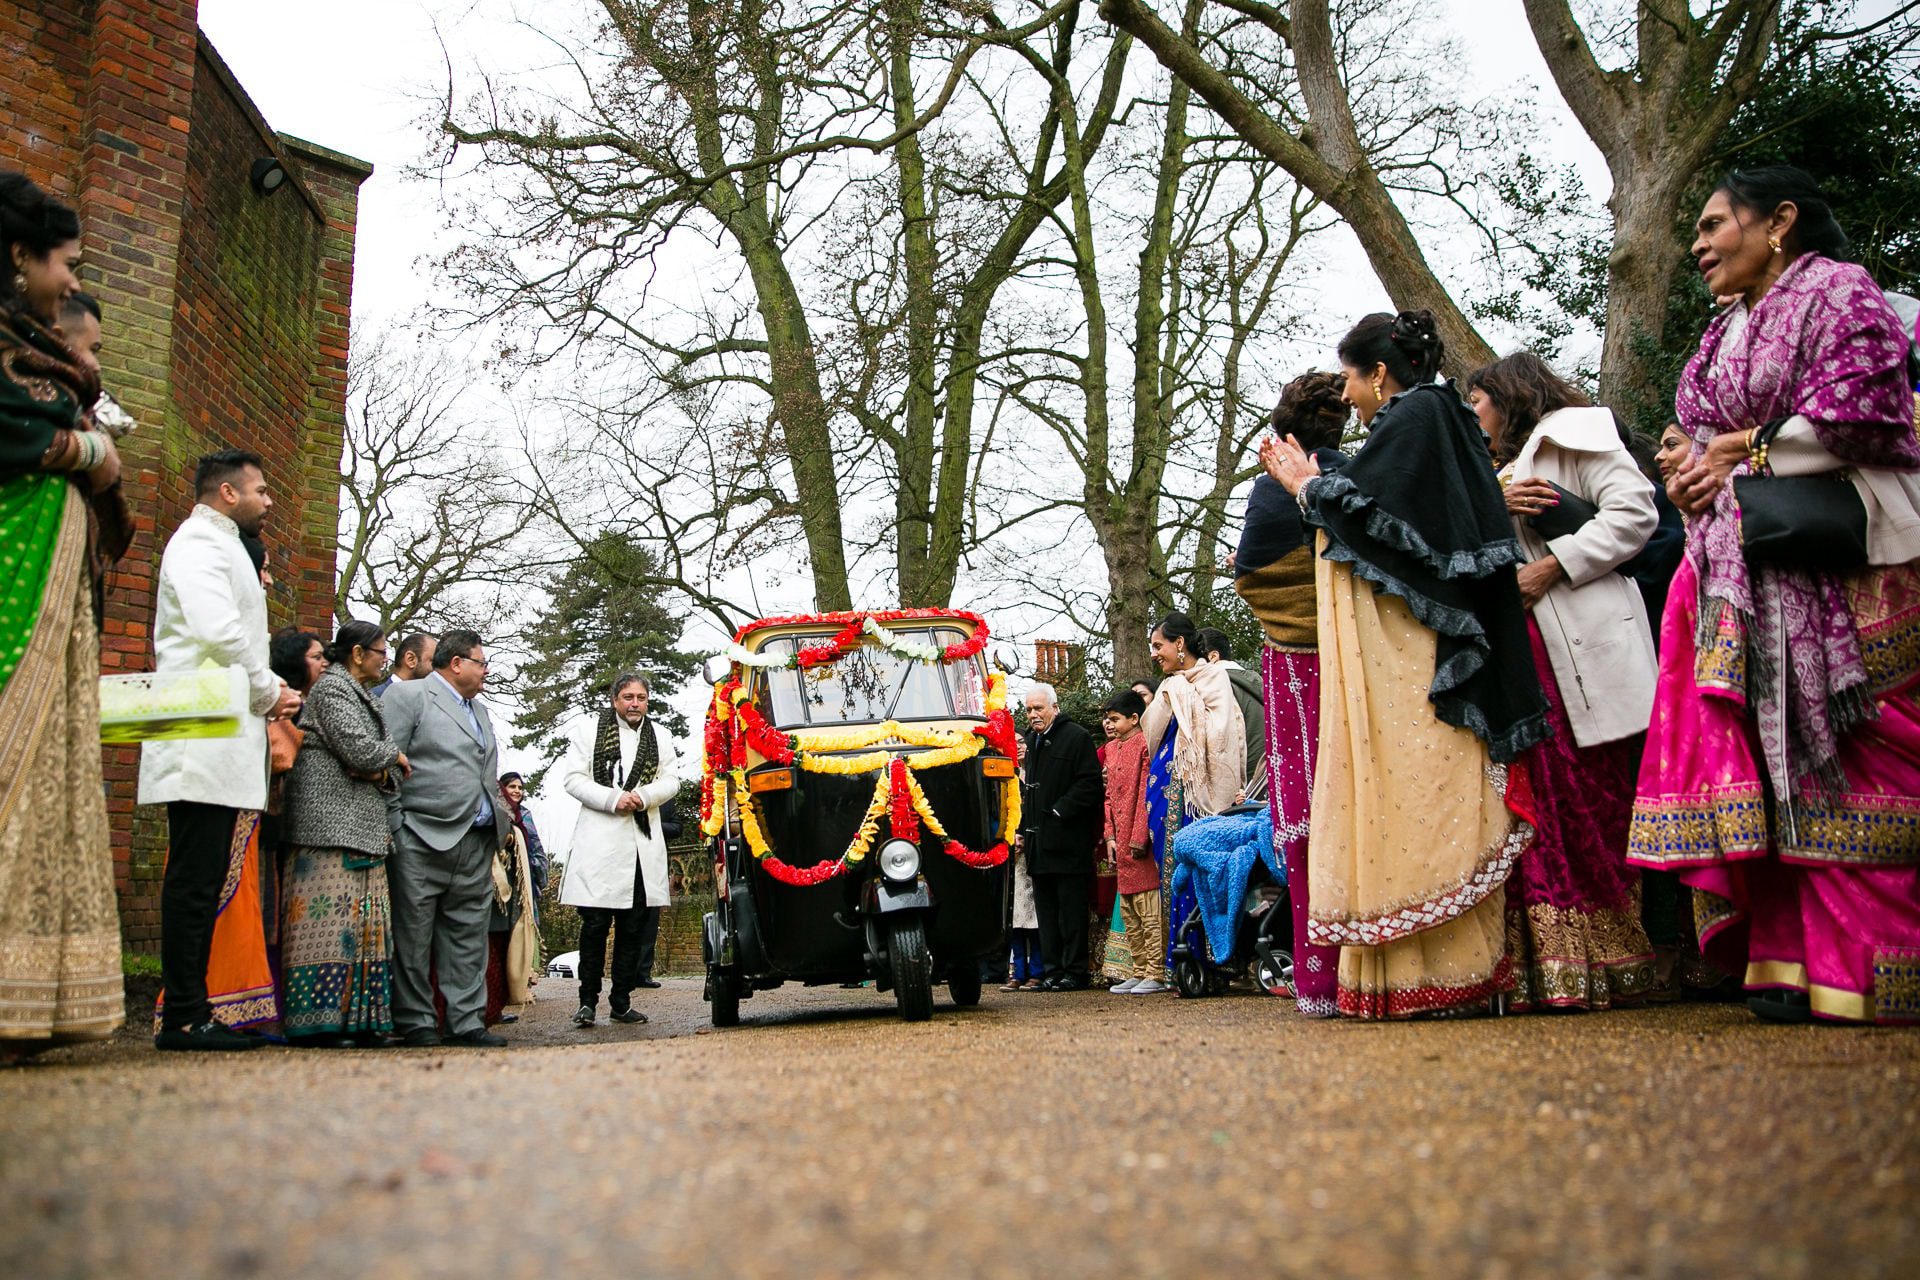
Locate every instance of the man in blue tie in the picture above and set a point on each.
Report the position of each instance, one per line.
(446, 829)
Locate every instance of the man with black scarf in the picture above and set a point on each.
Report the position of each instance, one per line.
(620, 768)
(1061, 826)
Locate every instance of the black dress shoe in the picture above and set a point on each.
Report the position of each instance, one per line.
(627, 1015)
(208, 1037)
(478, 1038)
(583, 1017)
(1794, 1007)
(420, 1038)
(508, 1019)
(1068, 984)
(650, 984)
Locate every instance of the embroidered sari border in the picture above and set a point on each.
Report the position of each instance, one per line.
(1406, 918)
(1696, 831)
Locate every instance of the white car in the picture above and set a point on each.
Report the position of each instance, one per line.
(563, 965)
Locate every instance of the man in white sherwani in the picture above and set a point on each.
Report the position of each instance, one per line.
(620, 767)
(211, 608)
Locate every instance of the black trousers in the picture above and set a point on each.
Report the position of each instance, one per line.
(199, 843)
(626, 924)
(649, 939)
(1062, 903)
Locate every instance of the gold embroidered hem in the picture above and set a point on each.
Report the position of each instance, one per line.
(59, 920)
(1857, 829)
(1721, 663)
(1573, 959)
(1692, 831)
(1895, 997)
(1885, 604)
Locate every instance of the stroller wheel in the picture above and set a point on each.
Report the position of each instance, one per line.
(1189, 978)
(1275, 972)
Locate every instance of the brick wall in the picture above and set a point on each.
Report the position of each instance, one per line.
(226, 311)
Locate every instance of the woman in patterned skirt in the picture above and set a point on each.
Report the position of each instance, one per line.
(1273, 572)
(337, 930)
(1782, 775)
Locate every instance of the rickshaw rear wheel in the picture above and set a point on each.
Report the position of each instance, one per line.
(912, 969)
(723, 990)
(963, 983)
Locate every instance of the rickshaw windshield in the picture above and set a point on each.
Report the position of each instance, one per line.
(869, 684)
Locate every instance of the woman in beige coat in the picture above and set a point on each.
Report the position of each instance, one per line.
(1581, 508)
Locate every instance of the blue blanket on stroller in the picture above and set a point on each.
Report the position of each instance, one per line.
(1212, 859)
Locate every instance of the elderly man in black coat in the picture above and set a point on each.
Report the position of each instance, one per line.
(1060, 829)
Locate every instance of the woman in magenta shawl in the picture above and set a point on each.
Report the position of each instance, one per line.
(1782, 775)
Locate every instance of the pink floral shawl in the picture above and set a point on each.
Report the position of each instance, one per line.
(1824, 343)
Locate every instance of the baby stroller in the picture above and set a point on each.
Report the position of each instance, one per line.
(1242, 914)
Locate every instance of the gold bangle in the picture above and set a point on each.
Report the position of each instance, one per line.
(1751, 433)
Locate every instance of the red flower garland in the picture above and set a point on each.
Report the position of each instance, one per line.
(732, 728)
(991, 858)
(853, 626)
(903, 821)
(1000, 734)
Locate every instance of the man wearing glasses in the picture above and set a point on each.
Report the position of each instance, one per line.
(446, 827)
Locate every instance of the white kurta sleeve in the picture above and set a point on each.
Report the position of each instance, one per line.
(203, 588)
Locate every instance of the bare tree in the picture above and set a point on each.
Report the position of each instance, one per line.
(1320, 141)
(433, 528)
(743, 121)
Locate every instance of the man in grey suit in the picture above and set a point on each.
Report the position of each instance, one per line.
(446, 828)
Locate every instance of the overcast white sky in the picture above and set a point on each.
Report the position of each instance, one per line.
(355, 75)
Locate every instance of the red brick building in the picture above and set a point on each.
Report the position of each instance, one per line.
(226, 308)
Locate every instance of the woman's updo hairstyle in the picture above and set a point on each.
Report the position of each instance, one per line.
(33, 220)
(1312, 411)
(1761, 191)
(353, 633)
(1408, 344)
(1178, 626)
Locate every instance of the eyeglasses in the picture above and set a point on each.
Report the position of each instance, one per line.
(478, 662)
(380, 652)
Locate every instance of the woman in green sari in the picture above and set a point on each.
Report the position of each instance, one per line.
(59, 924)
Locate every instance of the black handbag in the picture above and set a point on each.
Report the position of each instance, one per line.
(1569, 515)
(1815, 524)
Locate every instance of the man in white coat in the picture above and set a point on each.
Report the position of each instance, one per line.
(211, 609)
(621, 770)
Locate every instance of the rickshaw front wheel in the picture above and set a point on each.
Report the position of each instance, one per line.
(723, 991)
(963, 983)
(912, 969)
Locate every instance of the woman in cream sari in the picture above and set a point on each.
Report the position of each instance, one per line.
(59, 925)
(1427, 689)
(1196, 751)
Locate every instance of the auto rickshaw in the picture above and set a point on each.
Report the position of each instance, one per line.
(859, 798)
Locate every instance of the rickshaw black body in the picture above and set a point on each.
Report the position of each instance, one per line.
(818, 934)
(905, 935)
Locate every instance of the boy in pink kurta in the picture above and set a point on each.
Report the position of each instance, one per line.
(1129, 845)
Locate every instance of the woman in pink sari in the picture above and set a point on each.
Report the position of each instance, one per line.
(1782, 775)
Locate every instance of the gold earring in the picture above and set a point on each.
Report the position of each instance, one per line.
(1773, 242)
(1378, 399)
(20, 283)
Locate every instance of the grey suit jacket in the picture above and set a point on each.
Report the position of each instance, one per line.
(452, 769)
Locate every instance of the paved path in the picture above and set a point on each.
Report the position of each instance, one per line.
(1037, 1136)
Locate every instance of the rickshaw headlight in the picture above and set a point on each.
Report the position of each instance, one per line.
(900, 860)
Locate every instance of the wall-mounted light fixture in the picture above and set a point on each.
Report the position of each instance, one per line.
(267, 176)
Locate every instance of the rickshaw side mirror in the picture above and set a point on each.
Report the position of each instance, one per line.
(716, 668)
(1006, 661)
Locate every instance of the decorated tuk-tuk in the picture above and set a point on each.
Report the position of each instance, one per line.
(859, 798)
